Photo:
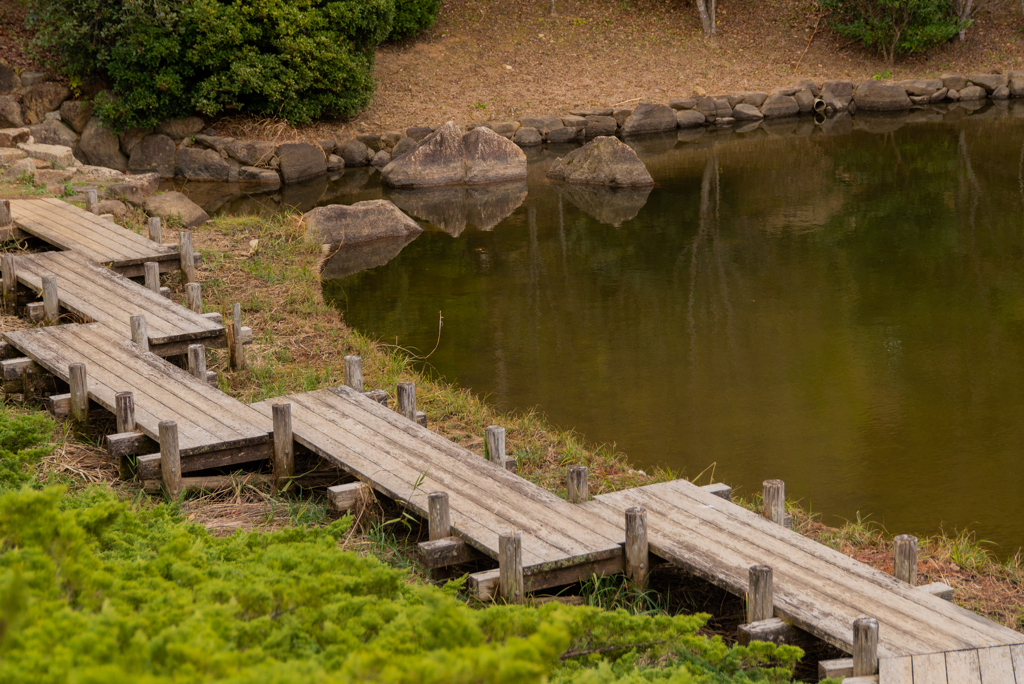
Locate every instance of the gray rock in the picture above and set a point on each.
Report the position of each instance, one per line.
(922, 86)
(973, 93)
(808, 85)
(19, 169)
(600, 125)
(132, 137)
(371, 140)
(381, 159)
(1016, 83)
(52, 116)
(746, 112)
(682, 103)
(1001, 93)
(201, 164)
(838, 88)
(418, 133)
(128, 192)
(99, 173)
(327, 146)
(339, 224)
(777, 106)
(169, 205)
(76, 114)
(54, 133)
(9, 137)
(112, 206)
(453, 208)
(31, 78)
(101, 147)
(564, 134)
(348, 260)
(526, 137)
(354, 153)
(543, 124)
(42, 98)
(10, 112)
(177, 129)
(939, 95)
(44, 176)
(786, 91)
(754, 97)
(215, 142)
(577, 122)
(506, 129)
(805, 100)
(335, 163)
(611, 206)
(873, 96)
(58, 155)
(9, 155)
(147, 183)
(301, 161)
(723, 121)
(689, 118)
(9, 80)
(723, 110)
(154, 154)
(649, 118)
(602, 161)
(252, 153)
(989, 81)
(604, 111)
(252, 174)
(953, 81)
(392, 137)
(403, 146)
(621, 115)
(707, 107)
(919, 99)
(446, 157)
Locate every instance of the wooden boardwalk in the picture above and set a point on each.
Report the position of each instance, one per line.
(69, 228)
(102, 296)
(816, 588)
(993, 665)
(406, 462)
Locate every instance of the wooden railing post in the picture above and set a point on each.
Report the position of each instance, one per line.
(510, 567)
(92, 204)
(170, 458)
(124, 413)
(156, 233)
(188, 264)
(139, 334)
(151, 271)
(236, 350)
(439, 519)
(197, 361)
(637, 550)
(194, 297)
(760, 595)
(78, 379)
(775, 501)
(865, 647)
(577, 485)
(284, 443)
(51, 307)
(354, 372)
(10, 276)
(6, 218)
(905, 558)
(494, 440)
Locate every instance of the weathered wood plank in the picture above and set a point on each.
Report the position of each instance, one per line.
(1017, 656)
(66, 230)
(963, 667)
(484, 585)
(442, 553)
(214, 455)
(894, 670)
(74, 217)
(996, 665)
(930, 669)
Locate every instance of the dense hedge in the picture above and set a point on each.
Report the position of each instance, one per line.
(895, 27)
(296, 59)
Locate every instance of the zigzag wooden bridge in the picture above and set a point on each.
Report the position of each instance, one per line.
(175, 431)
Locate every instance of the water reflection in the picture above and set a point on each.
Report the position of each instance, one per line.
(453, 208)
(611, 206)
(345, 260)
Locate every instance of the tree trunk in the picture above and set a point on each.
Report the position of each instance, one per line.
(707, 22)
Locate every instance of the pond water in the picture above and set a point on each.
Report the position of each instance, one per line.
(843, 310)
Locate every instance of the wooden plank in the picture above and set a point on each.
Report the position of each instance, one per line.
(963, 667)
(1017, 656)
(484, 585)
(894, 670)
(213, 455)
(996, 665)
(442, 553)
(57, 232)
(930, 669)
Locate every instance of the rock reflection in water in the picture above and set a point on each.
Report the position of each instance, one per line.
(452, 209)
(348, 260)
(608, 205)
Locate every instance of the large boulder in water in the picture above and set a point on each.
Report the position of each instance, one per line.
(170, 204)
(447, 157)
(602, 161)
(873, 96)
(340, 224)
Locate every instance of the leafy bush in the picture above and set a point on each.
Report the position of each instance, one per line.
(20, 440)
(895, 27)
(413, 16)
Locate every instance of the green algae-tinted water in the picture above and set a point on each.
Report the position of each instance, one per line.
(844, 312)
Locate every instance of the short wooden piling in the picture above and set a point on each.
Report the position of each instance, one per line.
(354, 372)
(865, 647)
(905, 558)
(236, 350)
(197, 361)
(637, 550)
(139, 334)
(170, 458)
(6, 218)
(79, 382)
(10, 276)
(156, 233)
(406, 399)
(92, 204)
(510, 567)
(194, 297)
(151, 271)
(760, 595)
(577, 484)
(188, 264)
(51, 307)
(124, 411)
(438, 516)
(775, 501)
(284, 443)
(494, 440)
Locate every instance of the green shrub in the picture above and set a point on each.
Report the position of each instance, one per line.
(895, 27)
(413, 16)
(23, 443)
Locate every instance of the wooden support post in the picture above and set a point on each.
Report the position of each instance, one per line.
(345, 497)
(156, 233)
(194, 297)
(775, 501)
(124, 411)
(406, 399)
(510, 567)
(197, 361)
(354, 372)
(188, 263)
(865, 647)
(10, 275)
(905, 561)
(5, 213)
(51, 309)
(579, 488)
(79, 392)
(760, 595)
(151, 271)
(284, 443)
(379, 396)
(494, 439)
(92, 203)
(139, 335)
(438, 517)
(170, 458)
(637, 552)
(236, 352)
